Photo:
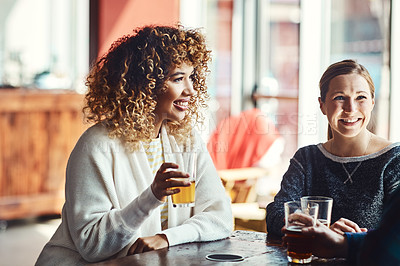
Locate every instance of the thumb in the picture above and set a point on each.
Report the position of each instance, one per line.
(132, 248)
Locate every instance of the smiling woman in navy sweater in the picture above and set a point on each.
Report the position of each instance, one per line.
(355, 167)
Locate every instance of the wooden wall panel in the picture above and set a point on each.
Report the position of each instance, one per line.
(38, 130)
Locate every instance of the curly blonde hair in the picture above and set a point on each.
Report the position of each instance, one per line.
(124, 85)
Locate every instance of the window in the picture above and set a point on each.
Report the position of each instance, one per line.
(360, 30)
(277, 81)
(44, 44)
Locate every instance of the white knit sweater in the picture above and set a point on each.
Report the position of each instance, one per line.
(109, 202)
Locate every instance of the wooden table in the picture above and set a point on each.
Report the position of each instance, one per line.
(255, 247)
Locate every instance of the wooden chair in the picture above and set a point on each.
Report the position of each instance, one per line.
(240, 185)
(240, 182)
(236, 146)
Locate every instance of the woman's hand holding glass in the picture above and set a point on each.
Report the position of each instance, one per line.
(163, 183)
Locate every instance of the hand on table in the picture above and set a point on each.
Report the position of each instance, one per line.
(344, 225)
(144, 244)
(163, 183)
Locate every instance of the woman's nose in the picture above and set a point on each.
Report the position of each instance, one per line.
(189, 90)
(350, 105)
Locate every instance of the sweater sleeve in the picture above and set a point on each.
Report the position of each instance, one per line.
(354, 243)
(98, 227)
(212, 215)
(292, 188)
(391, 176)
(382, 246)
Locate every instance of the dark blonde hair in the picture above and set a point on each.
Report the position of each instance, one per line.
(344, 67)
(124, 85)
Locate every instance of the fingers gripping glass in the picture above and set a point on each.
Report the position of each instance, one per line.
(187, 162)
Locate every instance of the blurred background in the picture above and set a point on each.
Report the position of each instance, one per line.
(267, 54)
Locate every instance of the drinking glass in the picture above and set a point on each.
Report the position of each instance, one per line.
(187, 162)
(299, 246)
(324, 207)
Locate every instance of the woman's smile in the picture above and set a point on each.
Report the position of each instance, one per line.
(181, 105)
(350, 121)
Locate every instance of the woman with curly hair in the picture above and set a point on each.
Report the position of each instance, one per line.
(144, 97)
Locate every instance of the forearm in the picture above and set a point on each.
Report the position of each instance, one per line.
(101, 233)
(291, 188)
(274, 219)
(212, 220)
(211, 217)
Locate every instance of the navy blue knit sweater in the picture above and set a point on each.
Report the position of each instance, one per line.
(315, 171)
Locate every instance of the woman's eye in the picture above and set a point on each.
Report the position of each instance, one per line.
(339, 98)
(178, 79)
(361, 97)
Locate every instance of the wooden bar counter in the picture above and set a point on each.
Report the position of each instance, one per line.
(38, 130)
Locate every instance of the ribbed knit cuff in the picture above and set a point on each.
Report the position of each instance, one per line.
(354, 241)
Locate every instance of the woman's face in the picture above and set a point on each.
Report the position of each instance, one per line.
(173, 103)
(348, 104)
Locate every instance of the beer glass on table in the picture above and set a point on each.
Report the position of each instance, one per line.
(187, 162)
(299, 246)
(324, 207)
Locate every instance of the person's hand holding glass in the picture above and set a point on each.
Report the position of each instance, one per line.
(299, 246)
(186, 172)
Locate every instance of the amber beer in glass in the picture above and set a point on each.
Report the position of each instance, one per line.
(299, 246)
(186, 195)
(187, 163)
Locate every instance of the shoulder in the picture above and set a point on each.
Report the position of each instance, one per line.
(379, 143)
(390, 154)
(386, 150)
(96, 138)
(307, 155)
(98, 130)
(394, 148)
(315, 150)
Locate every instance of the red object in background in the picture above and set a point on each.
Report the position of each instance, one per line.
(241, 141)
(118, 18)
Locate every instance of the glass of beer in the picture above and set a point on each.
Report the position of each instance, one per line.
(324, 207)
(187, 163)
(299, 246)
